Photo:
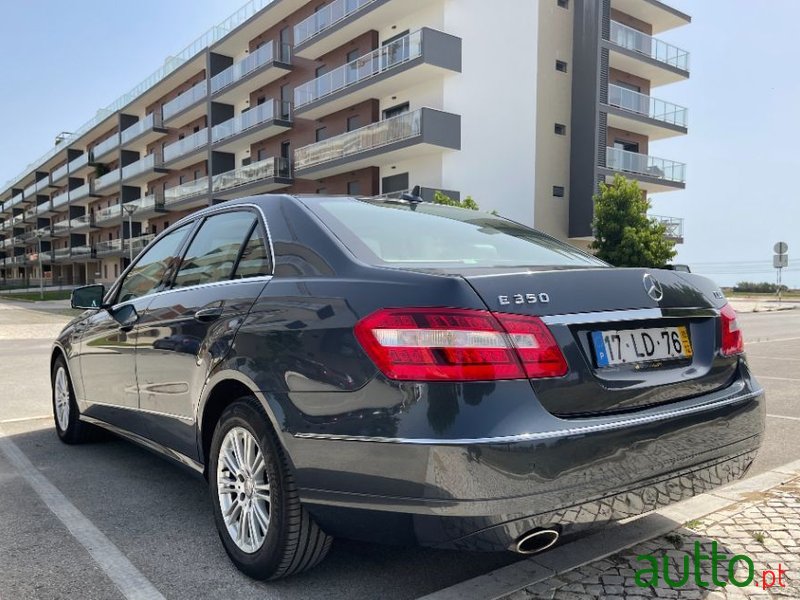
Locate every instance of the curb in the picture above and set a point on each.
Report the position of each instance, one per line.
(612, 539)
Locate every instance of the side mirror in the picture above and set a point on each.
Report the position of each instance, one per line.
(88, 296)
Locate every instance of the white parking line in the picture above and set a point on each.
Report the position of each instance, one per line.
(22, 419)
(114, 563)
(784, 417)
(779, 378)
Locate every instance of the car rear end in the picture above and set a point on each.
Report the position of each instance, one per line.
(552, 396)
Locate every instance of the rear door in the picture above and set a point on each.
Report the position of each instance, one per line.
(189, 328)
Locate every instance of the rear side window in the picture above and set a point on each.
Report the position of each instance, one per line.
(254, 260)
(394, 233)
(212, 253)
(152, 267)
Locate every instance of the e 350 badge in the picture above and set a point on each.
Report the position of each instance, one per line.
(523, 299)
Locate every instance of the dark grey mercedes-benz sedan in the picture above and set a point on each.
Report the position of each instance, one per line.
(406, 372)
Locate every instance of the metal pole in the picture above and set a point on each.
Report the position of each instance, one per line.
(130, 236)
(41, 268)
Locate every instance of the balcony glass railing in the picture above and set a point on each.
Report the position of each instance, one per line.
(106, 146)
(42, 184)
(643, 164)
(15, 200)
(139, 128)
(80, 192)
(60, 200)
(147, 163)
(30, 213)
(242, 68)
(325, 18)
(263, 169)
(148, 203)
(108, 246)
(138, 243)
(60, 227)
(60, 253)
(82, 251)
(647, 106)
(81, 222)
(674, 225)
(186, 190)
(60, 172)
(188, 144)
(376, 62)
(108, 213)
(106, 180)
(633, 39)
(29, 191)
(78, 162)
(393, 129)
(249, 119)
(185, 100)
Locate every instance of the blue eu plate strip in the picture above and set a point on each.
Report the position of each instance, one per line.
(600, 349)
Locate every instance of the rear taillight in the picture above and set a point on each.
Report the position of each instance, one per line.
(732, 340)
(450, 344)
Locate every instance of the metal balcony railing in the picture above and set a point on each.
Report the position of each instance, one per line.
(106, 180)
(138, 243)
(375, 135)
(644, 164)
(139, 127)
(647, 106)
(60, 253)
(60, 172)
(185, 190)
(326, 17)
(185, 100)
(659, 50)
(108, 246)
(82, 251)
(263, 169)
(674, 226)
(108, 213)
(79, 162)
(82, 221)
(250, 118)
(144, 164)
(106, 146)
(149, 202)
(240, 69)
(80, 192)
(374, 63)
(186, 145)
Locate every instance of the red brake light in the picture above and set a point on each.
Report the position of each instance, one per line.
(449, 344)
(732, 339)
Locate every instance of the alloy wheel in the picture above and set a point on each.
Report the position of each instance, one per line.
(62, 398)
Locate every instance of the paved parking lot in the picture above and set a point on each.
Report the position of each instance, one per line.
(122, 498)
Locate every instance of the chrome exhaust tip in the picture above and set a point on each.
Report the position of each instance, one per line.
(536, 541)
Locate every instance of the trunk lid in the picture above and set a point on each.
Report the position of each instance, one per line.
(582, 306)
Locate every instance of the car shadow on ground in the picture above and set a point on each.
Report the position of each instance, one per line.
(159, 515)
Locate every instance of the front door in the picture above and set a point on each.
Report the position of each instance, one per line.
(189, 328)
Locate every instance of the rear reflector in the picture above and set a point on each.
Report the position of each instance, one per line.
(732, 339)
(449, 344)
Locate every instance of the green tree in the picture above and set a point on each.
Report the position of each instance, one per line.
(442, 198)
(624, 235)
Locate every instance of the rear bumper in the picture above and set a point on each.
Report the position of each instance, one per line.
(484, 493)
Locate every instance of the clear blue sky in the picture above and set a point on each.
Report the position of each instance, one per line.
(62, 60)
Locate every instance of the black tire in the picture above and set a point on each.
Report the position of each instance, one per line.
(72, 431)
(293, 542)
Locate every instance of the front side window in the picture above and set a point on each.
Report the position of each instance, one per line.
(212, 253)
(254, 260)
(151, 268)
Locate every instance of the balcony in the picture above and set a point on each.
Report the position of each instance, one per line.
(401, 64)
(645, 56)
(42, 184)
(639, 113)
(343, 20)
(82, 223)
(106, 181)
(82, 193)
(268, 63)
(59, 175)
(143, 131)
(106, 215)
(674, 227)
(661, 16)
(29, 192)
(654, 174)
(185, 152)
(15, 201)
(104, 149)
(148, 207)
(186, 107)
(61, 253)
(60, 228)
(60, 201)
(138, 243)
(45, 209)
(143, 169)
(194, 193)
(413, 134)
(79, 166)
(30, 213)
(82, 253)
(258, 177)
(18, 260)
(260, 122)
(108, 247)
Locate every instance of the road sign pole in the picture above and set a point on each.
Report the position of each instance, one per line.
(779, 261)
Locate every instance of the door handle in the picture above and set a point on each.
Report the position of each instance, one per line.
(208, 314)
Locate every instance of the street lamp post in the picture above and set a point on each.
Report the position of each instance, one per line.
(129, 209)
(39, 236)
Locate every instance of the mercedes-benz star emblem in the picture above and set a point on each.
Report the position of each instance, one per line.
(652, 287)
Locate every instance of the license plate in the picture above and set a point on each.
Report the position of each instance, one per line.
(626, 346)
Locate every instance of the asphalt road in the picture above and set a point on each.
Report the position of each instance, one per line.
(147, 520)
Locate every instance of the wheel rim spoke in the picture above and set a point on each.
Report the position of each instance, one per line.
(61, 397)
(243, 489)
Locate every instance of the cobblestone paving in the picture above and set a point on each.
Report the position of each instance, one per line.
(766, 529)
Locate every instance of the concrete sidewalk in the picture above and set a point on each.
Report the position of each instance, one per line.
(756, 519)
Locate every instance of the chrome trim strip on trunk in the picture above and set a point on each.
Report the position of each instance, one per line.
(637, 314)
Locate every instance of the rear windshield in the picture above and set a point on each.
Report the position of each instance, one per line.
(396, 233)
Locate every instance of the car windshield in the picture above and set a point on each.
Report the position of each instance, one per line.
(398, 233)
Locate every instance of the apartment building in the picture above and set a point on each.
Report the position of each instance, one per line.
(524, 106)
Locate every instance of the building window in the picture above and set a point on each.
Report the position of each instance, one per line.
(561, 66)
(353, 123)
(116, 271)
(320, 71)
(563, 3)
(197, 174)
(394, 183)
(560, 129)
(558, 191)
(321, 133)
(105, 271)
(354, 188)
(181, 179)
(285, 149)
(262, 154)
(396, 110)
(166, 224)
(261, 100)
